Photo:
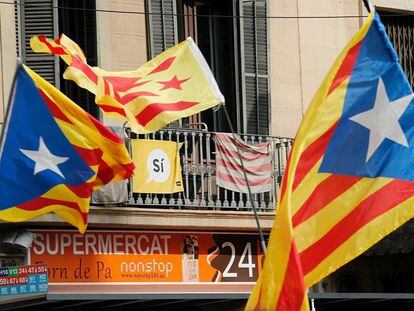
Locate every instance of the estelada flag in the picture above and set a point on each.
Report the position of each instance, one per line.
(176, 84)
(54, 155)
(350, 177)
(158, 164)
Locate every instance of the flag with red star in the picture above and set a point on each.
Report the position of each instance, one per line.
(176, 84)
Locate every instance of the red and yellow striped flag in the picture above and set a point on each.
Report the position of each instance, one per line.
(350, 178)
(176, 84)
(280, 285)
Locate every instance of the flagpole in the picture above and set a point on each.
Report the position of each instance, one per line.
(9, 109)
(368, 5)
(256, 215)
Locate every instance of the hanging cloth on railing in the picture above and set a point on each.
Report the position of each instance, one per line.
(229, 171)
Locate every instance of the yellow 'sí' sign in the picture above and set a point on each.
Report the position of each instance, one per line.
(158, 168)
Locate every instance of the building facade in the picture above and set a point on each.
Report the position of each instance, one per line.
(268, 70)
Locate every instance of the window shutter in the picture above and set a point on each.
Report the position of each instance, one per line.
(17, 27)
(162, 25)
(37, 17)
(162, 30)
(254, 66)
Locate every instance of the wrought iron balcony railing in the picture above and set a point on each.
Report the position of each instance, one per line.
(198, 170)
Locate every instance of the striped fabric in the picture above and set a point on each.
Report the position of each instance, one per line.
(327, 217)
(256, 160)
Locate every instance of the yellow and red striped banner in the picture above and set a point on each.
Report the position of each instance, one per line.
(175, 84)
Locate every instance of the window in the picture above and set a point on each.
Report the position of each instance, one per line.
(400, 29)
(77, 20)
(255, 66)
(162, 26)
(34, 18)
(235, 48)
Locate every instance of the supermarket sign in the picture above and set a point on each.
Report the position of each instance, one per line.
(166, 259)
(23, 280)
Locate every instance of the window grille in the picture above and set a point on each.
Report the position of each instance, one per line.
(400, 29)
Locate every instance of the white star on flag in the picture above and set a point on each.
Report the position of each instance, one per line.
(382, 119)
(44, 159)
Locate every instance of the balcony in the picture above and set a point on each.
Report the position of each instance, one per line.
(202, 204)
(198, 170)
